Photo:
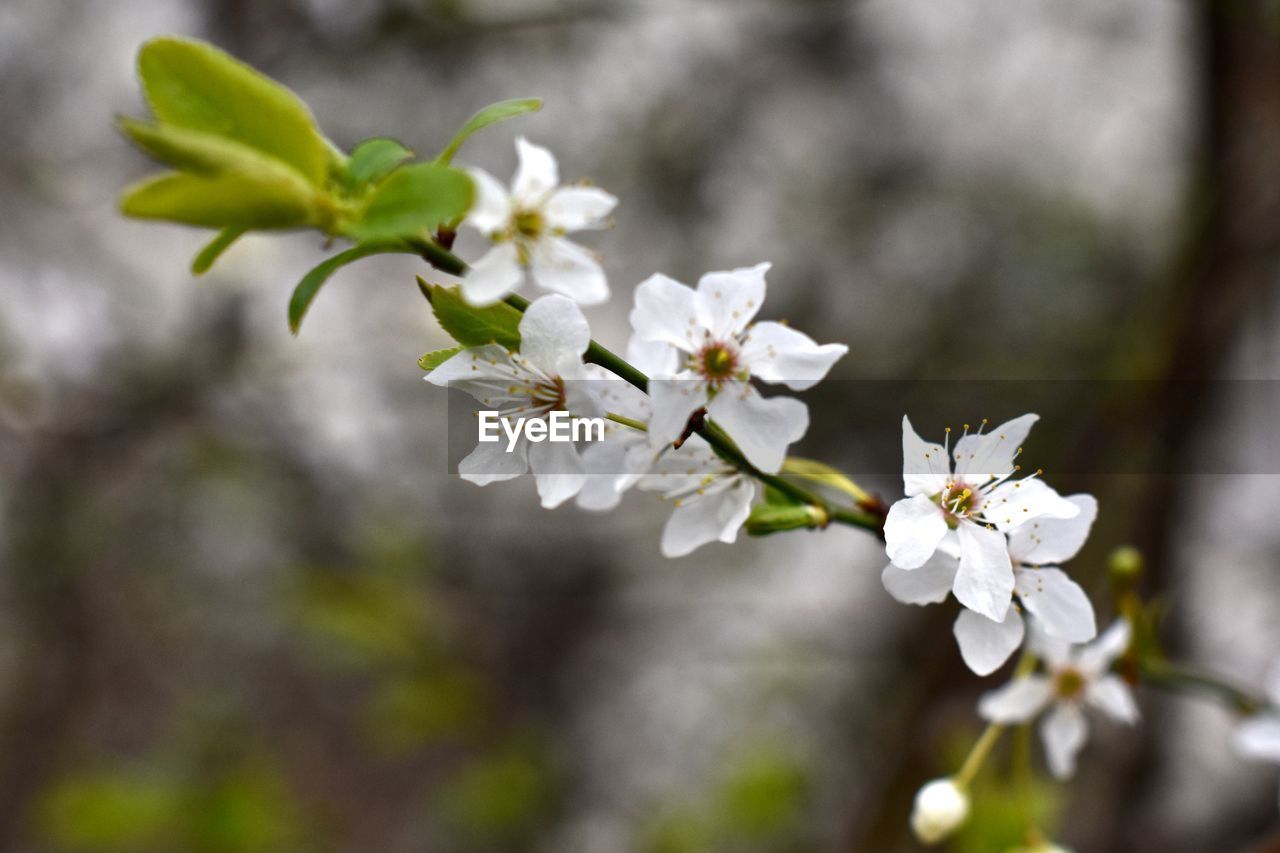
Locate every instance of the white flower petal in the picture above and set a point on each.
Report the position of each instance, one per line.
(929, 584)
(673, 401)
(1064, 732)
(984, 582)
(1062, 607)
(496, 274)
(579, 208)
(777, 353)
(491, 210)
(665, 312)
(553, 334)
(1054, 652)
(1016, 702)
(562, 266)
(981, 457)
(491, 463)
(707, 518)
(1097, 657)
(1045, 541)
(926, 470)
(1113, 697)
(1259, 737)
(652, 358)
(986, 645)
(536, 174)
(762, 427)
(605, 463)
(558, 469)
(726, 301)
(490, 363)
(912, 531)
(1016, 502)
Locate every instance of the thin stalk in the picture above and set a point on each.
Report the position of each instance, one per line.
(626, 421)
(978, 755)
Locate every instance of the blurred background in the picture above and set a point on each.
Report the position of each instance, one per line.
(245, 607)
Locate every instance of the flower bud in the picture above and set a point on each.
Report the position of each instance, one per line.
(1125, 565)
(941, 807)
(769, 518)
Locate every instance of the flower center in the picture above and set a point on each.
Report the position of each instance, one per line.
(1069, 683)
(959, 500)
(717, 362)
(529, 224)
(548, 394)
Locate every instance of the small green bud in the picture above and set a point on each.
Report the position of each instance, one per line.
(769, 518)
(1125, 565)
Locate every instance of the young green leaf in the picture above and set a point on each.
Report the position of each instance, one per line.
(435, 358)
(194, 85)
(373, 159)
(413, 199)
(305, 293)
(225, 201)
(214, 249)
(469, 325)
(202, 153)
(489, 115)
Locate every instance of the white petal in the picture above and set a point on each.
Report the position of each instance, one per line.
(496, 274)
(579, 208)
(980, 457)
(1016, 702)
(553, 333)
(491, 463)
(536, 174)
(490, 363)
(652, 358)
(605, 464)
(727, 301)
(986, 645)
(929, 584)
(1016, 502)
(926, 470)
(1259, 737)
(1056, 653)
(778, 353)
(563, 266)
(558, 469)
(1045, 541)
(912, 531)
(1064, 732)
(706, 518)
(1113, 697)
(762, 427)
(673, 401)
(1063, 609)
(985, 580)
(664, 311)
(491, 210)
(1098, 656)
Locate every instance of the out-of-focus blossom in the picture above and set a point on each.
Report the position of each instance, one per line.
(941, 807)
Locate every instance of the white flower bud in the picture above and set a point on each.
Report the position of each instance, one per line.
(941, 807)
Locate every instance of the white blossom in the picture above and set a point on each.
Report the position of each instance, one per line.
(527, 226)
(978, 501)
(1040, 587)
(545, 375)
(711, 499)
(1075, 676)
(719, 351)
(941, 807)
(1259, 736)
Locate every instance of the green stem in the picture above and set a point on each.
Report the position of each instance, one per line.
(1186, 679)
(626, 421)
(978, 755)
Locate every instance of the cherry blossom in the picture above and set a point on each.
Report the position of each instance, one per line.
(527, 226)
(719, 350)
(711, 499)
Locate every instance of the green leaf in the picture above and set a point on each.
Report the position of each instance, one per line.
(472, 326)
(373, 159)
(306, 291)
(214, 249)
(226, 201)
(413, 199)
(435, 358)
(202, 153)
(193, 85)
(489, 115)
